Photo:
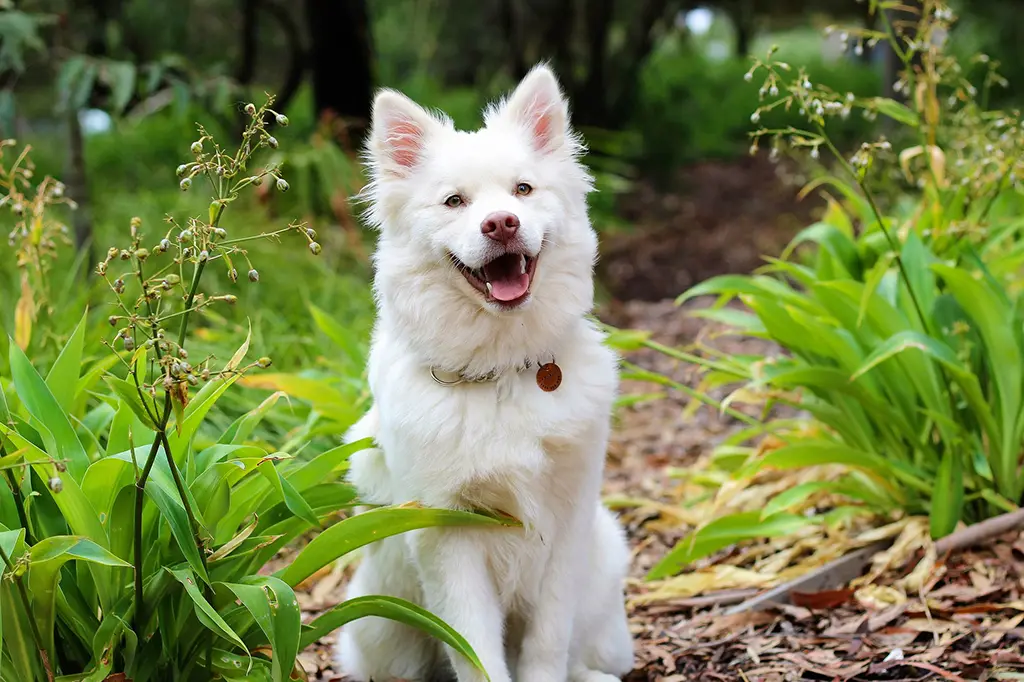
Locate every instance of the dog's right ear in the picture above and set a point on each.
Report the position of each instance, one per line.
(399, 132)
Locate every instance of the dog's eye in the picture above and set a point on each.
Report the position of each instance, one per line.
(454, 201)
(522, 189)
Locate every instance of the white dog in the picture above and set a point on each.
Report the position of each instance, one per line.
(491, 390)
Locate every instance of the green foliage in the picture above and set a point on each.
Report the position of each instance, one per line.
(144, 491)
(693, 108)
(900, 329)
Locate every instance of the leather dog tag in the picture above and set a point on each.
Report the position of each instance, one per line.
(549, 377)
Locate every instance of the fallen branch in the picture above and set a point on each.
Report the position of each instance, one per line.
(979, 532)
(830, 576)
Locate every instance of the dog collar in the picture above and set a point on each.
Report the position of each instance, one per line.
(549, 375)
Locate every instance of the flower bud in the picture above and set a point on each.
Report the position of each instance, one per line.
(197, 147)
(264, 362)
(282, 120)
(250, 109)
(233, 275)
(182, 169)
(314, 248)
(204, 255)
(55, 484)
(185, 184)
(254, 275)
(272, 142)
(282, 185)
(142, 254)
(129, 343)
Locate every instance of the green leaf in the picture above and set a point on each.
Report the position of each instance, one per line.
(994, 318)
(947, 357)
(275, 609)
(790, 498)
(243, 427)
(287, 493)
(130, 395)
(818, 452)
(373, 525)
(832, 239)
(120, 75)
(46, 558)
(342, 337)
(722, 533)
(75, 507)
(174, 513)
(82, 88)
(896, 111)
(62, 379)
(394, 609)
(948, 496)
(56, 431)
(319, 469)
(14, 622)
(208, 616)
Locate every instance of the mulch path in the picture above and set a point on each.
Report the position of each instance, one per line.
(968, 622)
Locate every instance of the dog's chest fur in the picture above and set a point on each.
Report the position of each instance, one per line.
(504, 445)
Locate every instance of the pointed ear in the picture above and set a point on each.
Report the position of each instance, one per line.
(399, 132)
(538, 107)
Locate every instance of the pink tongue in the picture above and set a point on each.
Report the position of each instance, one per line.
(507, 284)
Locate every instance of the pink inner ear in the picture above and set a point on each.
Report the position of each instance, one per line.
(541, 122)
(404, 141)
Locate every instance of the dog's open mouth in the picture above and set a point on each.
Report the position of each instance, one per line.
(504, 280)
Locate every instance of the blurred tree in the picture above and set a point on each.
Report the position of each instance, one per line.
(340, 59)
(598, 48)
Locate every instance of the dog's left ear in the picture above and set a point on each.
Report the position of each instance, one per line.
(537, 105)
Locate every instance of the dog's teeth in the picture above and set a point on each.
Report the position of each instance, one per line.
(488, 285)
(522, 265)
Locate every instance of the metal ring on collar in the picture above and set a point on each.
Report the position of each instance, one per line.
(442, 382)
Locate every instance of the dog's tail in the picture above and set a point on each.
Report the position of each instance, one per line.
(368, 470)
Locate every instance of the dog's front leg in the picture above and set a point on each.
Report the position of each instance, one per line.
(458, 588)
(544, 654)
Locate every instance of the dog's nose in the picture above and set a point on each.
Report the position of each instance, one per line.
(501, 226)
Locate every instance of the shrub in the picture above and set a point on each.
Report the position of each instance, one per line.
(900, 329)
(133, 533)
(693, 108)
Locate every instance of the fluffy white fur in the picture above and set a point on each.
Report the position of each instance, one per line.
(538, 604)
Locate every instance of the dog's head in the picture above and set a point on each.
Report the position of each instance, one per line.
(482, 232)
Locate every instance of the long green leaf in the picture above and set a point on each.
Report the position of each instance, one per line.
(722, 533)
(273, 606)
(994, 318)
(395, 609)
(57, 433)
(373, 525)
(948, 498)
(204, 610)
(174, 513)
(46, 558)
(63, 376)
(75, 507)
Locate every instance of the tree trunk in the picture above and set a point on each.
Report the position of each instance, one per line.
(340, 57)
(250, 38)
(592, 104)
